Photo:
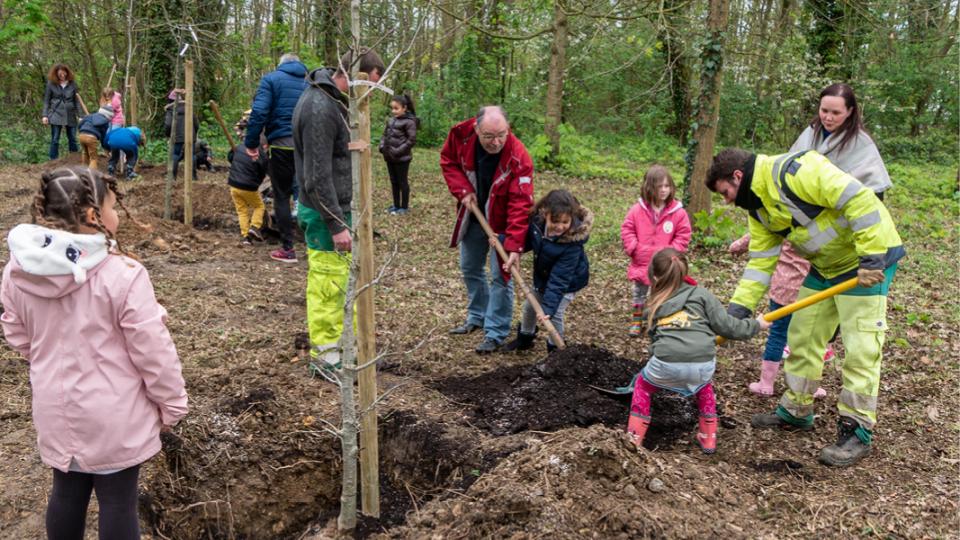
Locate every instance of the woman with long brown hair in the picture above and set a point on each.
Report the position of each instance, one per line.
(60, 107)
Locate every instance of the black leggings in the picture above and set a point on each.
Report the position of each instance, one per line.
(398, 181)
(116, 493)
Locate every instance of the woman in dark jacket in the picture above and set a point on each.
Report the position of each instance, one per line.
(60, 107)
(399, 138)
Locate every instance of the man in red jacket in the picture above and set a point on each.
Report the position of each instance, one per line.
(485, 164)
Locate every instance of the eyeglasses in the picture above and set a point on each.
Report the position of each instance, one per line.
(488, 137)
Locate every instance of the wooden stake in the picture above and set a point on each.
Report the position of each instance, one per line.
(83, 105)
(188, 145)
(366, 335)
(132, 101)
(216, 112)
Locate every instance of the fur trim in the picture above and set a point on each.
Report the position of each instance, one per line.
(579, 231)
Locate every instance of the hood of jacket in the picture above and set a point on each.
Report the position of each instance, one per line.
(293, 67)
(53, 263)
(322, 78)
(106, 110)
(676, 302)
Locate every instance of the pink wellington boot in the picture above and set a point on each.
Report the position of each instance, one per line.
(768, 374)
(637, 429)
(707, 436)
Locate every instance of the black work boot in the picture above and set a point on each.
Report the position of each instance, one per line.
(523, 342)
(849, 447)
(781, 419)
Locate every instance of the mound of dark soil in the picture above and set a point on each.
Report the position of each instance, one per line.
(559, 392)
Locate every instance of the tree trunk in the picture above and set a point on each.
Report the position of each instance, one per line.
(678, 67)
(700, 153)
(558, 61)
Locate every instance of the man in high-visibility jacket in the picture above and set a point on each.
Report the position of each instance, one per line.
(841, 227)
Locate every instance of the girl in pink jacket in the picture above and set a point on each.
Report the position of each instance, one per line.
(657, 221)
(104, 371)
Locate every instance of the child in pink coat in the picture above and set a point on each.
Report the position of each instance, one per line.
(104, 371)
(784, 286)
(657, 221)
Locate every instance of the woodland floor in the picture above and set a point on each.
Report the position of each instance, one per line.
(499, 446)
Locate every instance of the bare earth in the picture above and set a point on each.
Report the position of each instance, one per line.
(501, 446)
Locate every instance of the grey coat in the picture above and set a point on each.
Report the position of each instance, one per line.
(60, 104)
(321, 155)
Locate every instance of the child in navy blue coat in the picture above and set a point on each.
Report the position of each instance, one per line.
(559, 227)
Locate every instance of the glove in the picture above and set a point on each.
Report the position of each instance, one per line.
(867, 277)
(738, 311)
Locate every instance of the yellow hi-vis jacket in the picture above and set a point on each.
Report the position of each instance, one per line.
(828, 216)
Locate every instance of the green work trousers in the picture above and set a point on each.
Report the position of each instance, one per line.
(327, 273)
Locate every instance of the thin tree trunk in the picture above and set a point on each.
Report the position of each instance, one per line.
(705, 133)
(555, 76)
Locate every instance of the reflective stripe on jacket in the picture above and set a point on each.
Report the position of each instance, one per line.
(828, 216)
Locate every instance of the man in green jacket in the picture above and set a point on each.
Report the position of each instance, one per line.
(841, 227)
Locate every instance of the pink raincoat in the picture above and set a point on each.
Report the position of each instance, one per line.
(644, 234)
(787, 277)
(118, 118)
(103, 369)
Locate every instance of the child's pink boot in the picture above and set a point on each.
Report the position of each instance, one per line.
(637, 429)
(707, 436)
(768, 374)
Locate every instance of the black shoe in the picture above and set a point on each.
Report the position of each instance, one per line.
(772, 420)
(523, 342)
(255, 234)
(465, 328)
(551, 347)
(848, 449)
(488, 345)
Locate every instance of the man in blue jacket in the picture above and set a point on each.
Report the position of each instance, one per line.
(271, 114)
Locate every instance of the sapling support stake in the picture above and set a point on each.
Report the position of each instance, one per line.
(216, 113)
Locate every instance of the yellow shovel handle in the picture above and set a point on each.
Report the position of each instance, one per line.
(800, 304)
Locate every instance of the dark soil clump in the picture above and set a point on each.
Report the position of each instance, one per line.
(557, 392)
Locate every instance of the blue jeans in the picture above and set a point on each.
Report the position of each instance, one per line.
(489, 298)
(55, 139)
(130, 155)
(777, 336)
(528, 321)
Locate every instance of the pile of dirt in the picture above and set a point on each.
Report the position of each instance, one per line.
(562, 391)
(589, 484)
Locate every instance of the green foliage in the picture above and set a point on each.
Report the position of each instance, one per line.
(23, 22)
(715, 229)
(608, 156)
(26, 143)
(935, 146)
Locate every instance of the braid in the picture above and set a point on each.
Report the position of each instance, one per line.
(112, 185)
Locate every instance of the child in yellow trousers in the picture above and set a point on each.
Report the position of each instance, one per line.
(245, 177)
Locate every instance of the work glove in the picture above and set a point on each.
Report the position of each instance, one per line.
(738, 311)
(867, 277)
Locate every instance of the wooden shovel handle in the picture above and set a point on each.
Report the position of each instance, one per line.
(800, 304)
(216, 113)
(515, 272)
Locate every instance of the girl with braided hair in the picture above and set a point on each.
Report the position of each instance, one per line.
(104, 372)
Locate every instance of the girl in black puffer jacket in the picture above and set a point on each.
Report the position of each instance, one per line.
(399, 138)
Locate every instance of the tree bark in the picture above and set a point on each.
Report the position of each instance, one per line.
(705, 131)
(558, 61)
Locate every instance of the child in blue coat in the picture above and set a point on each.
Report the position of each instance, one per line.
(127, 140)
(559, 227)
